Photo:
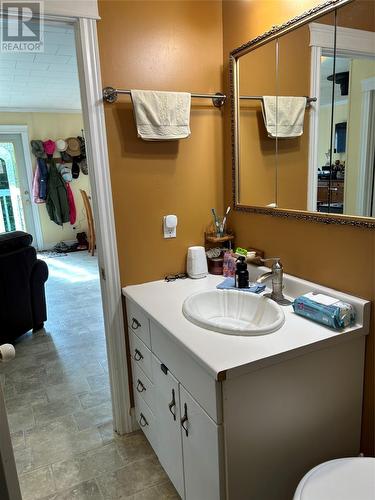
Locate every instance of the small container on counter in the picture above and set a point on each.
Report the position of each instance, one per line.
(229, 264)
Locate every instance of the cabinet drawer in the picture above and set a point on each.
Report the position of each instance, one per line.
(143, 386)
(140, 354)
(146, 421)
(138, 322)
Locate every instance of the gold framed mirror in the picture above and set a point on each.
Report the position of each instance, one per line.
(303, 117)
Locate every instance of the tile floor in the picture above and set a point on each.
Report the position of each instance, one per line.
(58, 401)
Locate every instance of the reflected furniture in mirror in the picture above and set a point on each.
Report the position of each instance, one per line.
(303, 117)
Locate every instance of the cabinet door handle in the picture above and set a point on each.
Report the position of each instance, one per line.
(140, 386)
(185, 420)
(138, 355)
(172, 405)
(135, 324)
(142, 420)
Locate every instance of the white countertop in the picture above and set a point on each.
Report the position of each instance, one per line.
(229, 355)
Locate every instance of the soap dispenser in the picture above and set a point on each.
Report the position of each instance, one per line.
(241, 279)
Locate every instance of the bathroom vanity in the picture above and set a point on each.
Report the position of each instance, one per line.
(243, 417)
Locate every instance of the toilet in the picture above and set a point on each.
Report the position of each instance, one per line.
(341, 479)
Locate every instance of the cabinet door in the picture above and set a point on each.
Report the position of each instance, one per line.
(166, 401)
(201, 439)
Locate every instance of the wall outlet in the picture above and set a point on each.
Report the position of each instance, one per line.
(169, 225)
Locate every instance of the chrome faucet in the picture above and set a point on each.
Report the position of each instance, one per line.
(276, 274)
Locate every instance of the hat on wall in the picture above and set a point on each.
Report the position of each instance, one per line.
(83, 166)
(38, 149)
(65, 171)
(75, 169)
(65, 157)
(74, 146)
(61, 145)
(49, 146)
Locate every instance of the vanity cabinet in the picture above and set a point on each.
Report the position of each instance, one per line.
(243, 418)
(184, 437)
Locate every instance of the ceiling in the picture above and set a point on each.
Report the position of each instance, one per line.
(326, 69)
(46, 81)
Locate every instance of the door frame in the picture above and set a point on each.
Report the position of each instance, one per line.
(366, 178)
(97, 155)
(23, 131)
(349, 41)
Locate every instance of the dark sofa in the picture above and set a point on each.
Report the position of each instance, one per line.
(22, 278)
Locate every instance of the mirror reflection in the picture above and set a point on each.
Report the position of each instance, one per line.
(319, 154)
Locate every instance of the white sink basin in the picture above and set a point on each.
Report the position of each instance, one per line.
(233, 312)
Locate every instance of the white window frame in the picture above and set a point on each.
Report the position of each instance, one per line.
(24, 133)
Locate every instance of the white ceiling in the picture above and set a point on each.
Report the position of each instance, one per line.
(46, 81)
(326, 69)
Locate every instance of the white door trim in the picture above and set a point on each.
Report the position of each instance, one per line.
(312, 179)
(367, 145)
(349, 41)
(24, 132)
(97, 153)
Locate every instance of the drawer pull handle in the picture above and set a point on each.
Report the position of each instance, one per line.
(142, 420)
(185, 421)
(172, 405)
(135, 324)
(140, 386)
(138, 355)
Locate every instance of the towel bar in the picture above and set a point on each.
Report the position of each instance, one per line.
(110, 95)
(260, 98)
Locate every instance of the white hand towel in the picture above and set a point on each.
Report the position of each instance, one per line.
(161, 116)
(283, 116)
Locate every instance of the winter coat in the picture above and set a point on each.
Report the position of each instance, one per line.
(72, 205)
(36, 181)
(57, 199)
(43, 178)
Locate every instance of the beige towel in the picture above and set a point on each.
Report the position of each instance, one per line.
(283, 116)
(161, 116)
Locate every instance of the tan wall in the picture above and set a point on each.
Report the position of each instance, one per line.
(54, 126)
(257, 152)
(164, 46)
(350, 252)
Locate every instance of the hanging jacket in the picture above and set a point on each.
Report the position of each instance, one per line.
(43, 178)
(36, 181)
(57, 199)
(72, 205)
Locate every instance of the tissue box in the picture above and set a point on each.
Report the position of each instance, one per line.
(325, 310)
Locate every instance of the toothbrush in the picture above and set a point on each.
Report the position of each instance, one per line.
(225, 217)
(216, 222)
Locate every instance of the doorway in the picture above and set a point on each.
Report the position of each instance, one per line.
(48, 359)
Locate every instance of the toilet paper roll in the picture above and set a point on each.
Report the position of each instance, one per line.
(7, 352)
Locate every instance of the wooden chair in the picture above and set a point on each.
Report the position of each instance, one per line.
(90, 221)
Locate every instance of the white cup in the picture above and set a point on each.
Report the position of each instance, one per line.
(196, 262)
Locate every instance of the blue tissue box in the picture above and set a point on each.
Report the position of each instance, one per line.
(325, 310)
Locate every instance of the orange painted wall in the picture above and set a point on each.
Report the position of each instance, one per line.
(349, 253)
(165, 46)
